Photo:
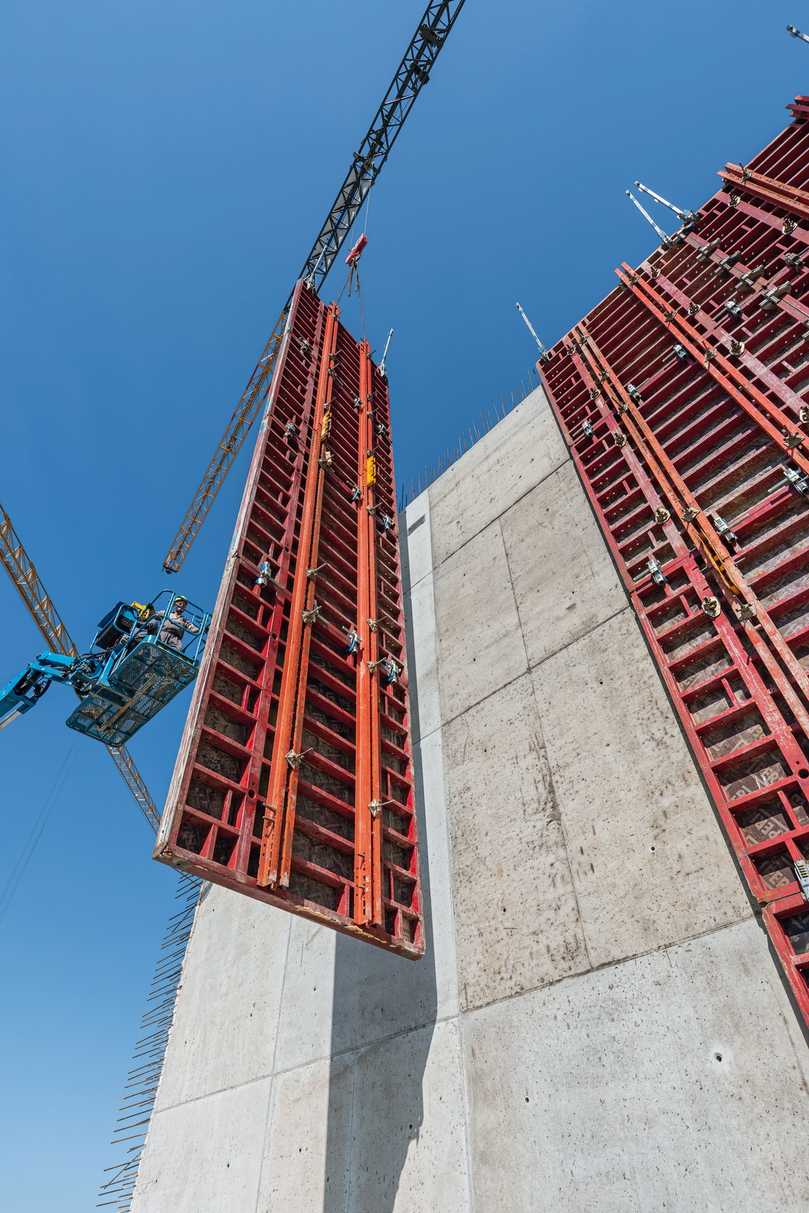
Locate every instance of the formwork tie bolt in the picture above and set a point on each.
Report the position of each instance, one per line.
(724, 531)
(655, 571)
(801, 867)
(311, 616)
(661, 515)
(793, 478)
(326, 460)
(690, 513)
(311, 573)
(618, 438)
(792, 440)
(633, 393)
(745, 612)
(376, 806)
(711, 607)
(803, 414)
(736, 347)
(587, 428)
(789, 227)
(294, 760)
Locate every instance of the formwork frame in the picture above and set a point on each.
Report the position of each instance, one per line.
(683, 399)
(294, 780)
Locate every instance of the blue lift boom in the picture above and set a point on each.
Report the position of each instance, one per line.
(142, 655)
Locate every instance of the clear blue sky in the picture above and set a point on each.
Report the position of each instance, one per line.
(166, 166)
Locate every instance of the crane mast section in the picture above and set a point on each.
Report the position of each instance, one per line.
(684, 399)
(409, 79)
(28, 584)
(294, 779)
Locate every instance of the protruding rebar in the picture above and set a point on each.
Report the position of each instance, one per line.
(662, 236)
(531, 330)
(683, 216)
(385, 353)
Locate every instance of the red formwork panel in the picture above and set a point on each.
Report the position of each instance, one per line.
(294, 779)
(683, 398)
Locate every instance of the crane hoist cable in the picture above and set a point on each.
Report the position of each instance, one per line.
(412, 74)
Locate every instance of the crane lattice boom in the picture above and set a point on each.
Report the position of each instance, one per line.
(410, 77)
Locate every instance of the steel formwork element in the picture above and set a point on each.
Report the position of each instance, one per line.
(294, 783)
(683, 398)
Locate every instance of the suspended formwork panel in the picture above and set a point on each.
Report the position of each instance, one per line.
(294, 779)
(683, 397)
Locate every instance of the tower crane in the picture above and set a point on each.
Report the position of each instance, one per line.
(139, 660)
(409, 78)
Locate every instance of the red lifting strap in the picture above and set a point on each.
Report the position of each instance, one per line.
(356, 250)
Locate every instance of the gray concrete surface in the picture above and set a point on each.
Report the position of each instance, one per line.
(597, 1024)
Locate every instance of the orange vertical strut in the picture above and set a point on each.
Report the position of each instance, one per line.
(368, 802)
(275, 858)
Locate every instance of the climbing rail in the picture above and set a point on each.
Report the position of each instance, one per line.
(683, 397)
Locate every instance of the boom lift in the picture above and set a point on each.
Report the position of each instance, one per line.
(63, 655)
(140, 658)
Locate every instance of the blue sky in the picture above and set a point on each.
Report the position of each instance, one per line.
(166, 167)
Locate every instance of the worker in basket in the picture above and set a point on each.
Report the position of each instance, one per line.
(170, 626)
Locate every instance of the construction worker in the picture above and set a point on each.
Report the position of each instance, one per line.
(172, 626)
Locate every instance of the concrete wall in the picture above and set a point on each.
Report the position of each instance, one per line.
(598, 1024)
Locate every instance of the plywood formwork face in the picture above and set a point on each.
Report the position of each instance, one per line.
(683, 397)
(294, 779)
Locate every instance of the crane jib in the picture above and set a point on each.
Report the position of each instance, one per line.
(410, 77)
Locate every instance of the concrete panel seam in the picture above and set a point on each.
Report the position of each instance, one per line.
(467, 1119)
(355, 1050)
(511, 506)
(511, 585)
(614, 964)
(333, 1055)
(564, 834)
(235, 1086)
(267, 1120)
(349, 1154)
(517, 677)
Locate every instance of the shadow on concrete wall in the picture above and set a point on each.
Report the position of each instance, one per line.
(383, 1017)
